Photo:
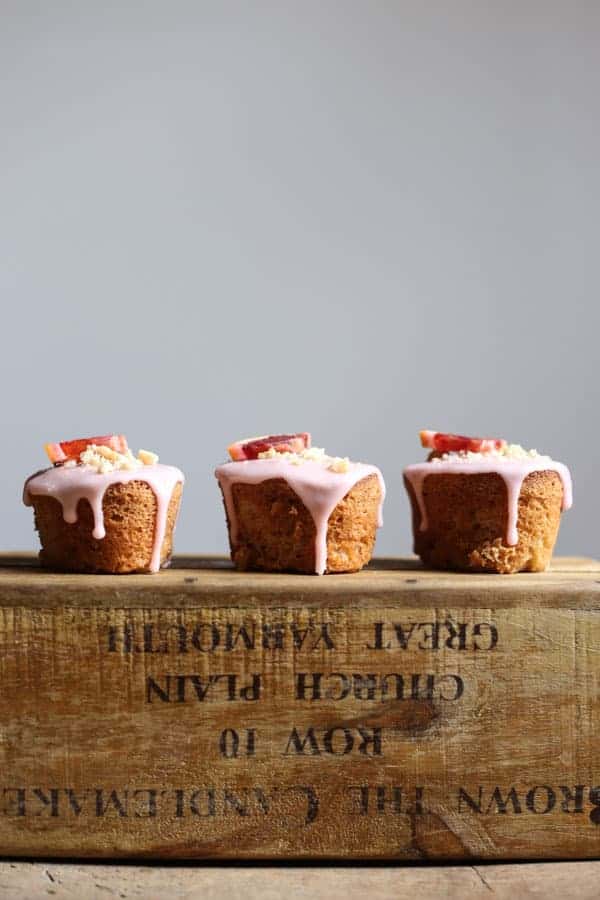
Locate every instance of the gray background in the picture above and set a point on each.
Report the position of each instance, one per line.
(359, 219)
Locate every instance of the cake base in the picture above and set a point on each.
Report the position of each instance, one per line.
(467, 522)
(276, 532)
(397, 713)
(129, 519)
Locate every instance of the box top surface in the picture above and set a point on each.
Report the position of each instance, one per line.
(200, 581)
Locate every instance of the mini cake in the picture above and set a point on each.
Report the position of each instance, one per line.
(292, 508)
(482, 505)
(101, 509)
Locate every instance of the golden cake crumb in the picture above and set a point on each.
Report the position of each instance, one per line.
(129, 512)
(467, 522)
(276, 532)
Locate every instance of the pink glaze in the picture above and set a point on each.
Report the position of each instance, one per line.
(319, 488)
(512, 471)
(69, 485)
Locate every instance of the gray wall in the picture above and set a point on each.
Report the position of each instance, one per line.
(356, 218)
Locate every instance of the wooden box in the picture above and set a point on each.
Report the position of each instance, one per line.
(397, 713)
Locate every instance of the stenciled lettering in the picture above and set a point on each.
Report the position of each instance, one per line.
(539, 800)
(184, 688)
(433, 636)
(339, 686)
(213, 637)
(155, 803)
(337, 741)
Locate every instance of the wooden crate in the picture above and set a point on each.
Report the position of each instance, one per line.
(396, 713)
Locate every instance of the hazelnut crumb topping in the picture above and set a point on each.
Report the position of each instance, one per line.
(510, 451)
(337, 464)
(105, 459)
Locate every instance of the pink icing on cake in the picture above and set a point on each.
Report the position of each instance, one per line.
(318, 487)
(512, 471)
(70, 485)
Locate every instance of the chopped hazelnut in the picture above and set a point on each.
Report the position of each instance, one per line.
(147, 457)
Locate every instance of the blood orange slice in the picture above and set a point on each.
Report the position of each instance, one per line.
(249, 448)
(447, 443)
(66, 450)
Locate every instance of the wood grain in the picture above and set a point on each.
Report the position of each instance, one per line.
(74, 881)
(204, 713)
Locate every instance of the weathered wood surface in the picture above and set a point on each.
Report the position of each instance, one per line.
(72, 881)
(397, 713)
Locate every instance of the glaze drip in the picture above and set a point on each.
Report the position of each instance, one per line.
(512, 471)
(319, 488)
(69, 485)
